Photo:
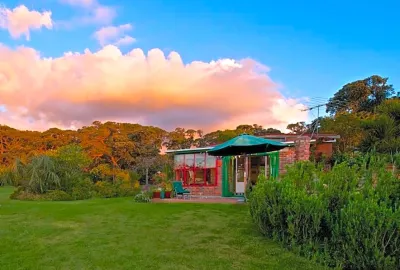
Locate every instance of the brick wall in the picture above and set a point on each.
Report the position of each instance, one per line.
(325, 149)
(286, 156)
(289, 155)
(302, 148)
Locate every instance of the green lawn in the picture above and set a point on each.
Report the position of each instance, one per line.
(120, 234)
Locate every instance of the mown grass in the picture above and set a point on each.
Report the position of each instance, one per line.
(121, 234)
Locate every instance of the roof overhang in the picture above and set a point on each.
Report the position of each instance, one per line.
(189, 150)
(206, 149)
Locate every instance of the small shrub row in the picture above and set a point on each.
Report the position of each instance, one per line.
(348, 217)
(82, 190)
(108, 190)
(52, 195)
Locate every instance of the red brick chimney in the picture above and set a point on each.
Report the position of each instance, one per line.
(302, 148)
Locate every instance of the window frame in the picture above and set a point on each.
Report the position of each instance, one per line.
(184, 170)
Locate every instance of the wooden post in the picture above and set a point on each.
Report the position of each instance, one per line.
(147, 176)
(266, 166)
(246, 170)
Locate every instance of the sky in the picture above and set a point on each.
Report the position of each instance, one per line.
(194, 64)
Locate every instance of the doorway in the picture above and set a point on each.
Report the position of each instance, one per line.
(256, 166)
(240, 175)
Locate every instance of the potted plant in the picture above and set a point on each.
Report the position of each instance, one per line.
(168, 190)
(156, 192)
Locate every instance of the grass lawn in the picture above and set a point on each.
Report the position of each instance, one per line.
(120, 234)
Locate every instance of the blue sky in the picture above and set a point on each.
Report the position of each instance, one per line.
(312, 47)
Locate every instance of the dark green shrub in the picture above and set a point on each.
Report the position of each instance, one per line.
(126, 191)
(323, 215)
(21, 193)
(83, 190)
(57, 195)
(105, 189)
(17, 192)
(367, 236)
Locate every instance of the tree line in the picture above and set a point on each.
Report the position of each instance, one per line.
(365, 113)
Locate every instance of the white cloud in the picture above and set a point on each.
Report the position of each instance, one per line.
(114, 35)
(20, 21)
(124, 41)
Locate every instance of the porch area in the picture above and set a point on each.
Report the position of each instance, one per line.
(202, 199)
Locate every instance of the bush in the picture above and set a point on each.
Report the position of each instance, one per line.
(83, 190)
(17, 192)
(57, 195)
(126, 191)
(24, 195)
(142, 197)
(105, 189)
(348, 217)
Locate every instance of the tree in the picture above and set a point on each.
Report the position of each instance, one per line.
(348, 126)
(39, 175)
(272, 131)
(382, 132)
(297, 128)
(70, 161)
(360, 96)
(182, 139)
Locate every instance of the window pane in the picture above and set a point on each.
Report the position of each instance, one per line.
(210, 176)
(179, 161)
(200, 160)
(189, 160)
(211, 161)
(189, 177)
(199, 177)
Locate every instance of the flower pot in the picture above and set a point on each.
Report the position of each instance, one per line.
(156, 194)
(162, 194)
(167, 194)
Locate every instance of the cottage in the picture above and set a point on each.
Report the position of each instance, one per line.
(208, 175)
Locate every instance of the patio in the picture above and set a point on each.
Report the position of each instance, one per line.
(201, 199)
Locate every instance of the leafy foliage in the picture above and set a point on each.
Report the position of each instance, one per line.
(348, 217)
(297, 128)
(360, 96)
(58, 195)
(383, 131)
(83, 190)
(142, 197)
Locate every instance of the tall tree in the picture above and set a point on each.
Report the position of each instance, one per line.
(297, 128)
(180, 138)
(360, 96)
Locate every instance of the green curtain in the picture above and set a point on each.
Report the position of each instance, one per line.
(274, 164)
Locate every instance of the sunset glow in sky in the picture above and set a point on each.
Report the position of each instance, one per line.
(67, 63)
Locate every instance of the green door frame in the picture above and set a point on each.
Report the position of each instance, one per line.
(273, 170)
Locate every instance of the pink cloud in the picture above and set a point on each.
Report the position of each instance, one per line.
(20, 21)
(92, 12)
(124, 41)
(114, 35)
(153, 89)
